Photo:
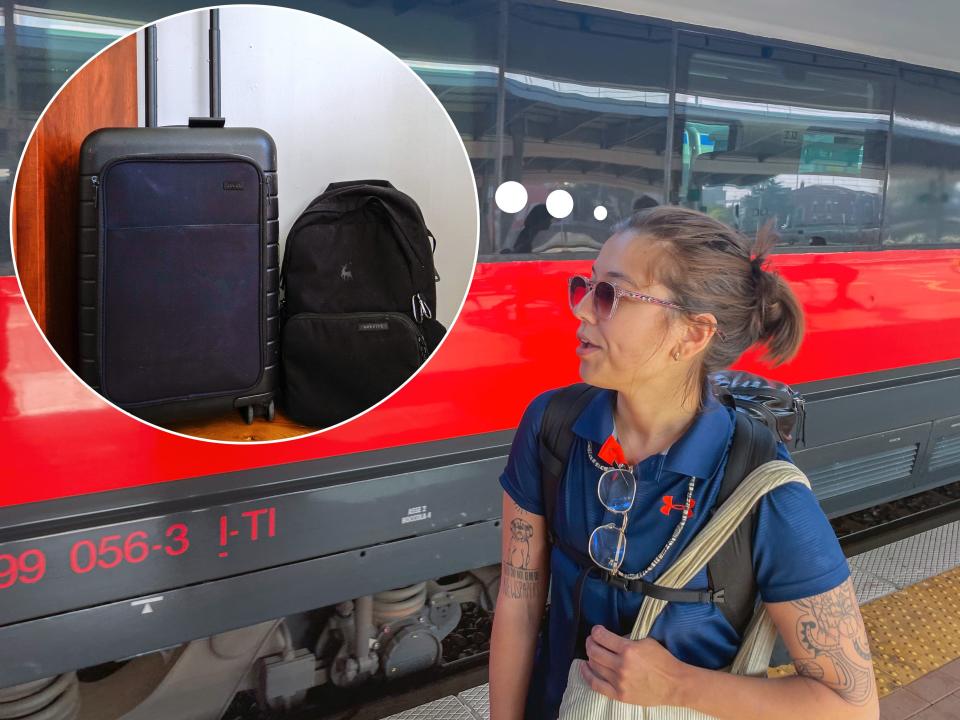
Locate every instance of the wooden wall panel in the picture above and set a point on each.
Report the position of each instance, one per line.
(103, 94)
(28, 228)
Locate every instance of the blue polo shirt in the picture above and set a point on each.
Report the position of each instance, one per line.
(795, 551)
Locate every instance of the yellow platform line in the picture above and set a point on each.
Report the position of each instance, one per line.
(912, 631)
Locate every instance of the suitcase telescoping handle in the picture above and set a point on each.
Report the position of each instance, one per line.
(150, 75)
(150, 79)
(213, 43)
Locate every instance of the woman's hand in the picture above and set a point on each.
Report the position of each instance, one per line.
(638, 672)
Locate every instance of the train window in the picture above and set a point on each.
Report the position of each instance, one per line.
(585, 117)
(42, 48)
(454, 48)
(786, 136)
(923, 192)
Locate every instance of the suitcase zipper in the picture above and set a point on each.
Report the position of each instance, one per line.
(95, 181)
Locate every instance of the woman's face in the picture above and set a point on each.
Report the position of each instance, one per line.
(635, 345)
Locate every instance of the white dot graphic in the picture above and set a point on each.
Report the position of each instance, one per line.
(559, 204)
(511, 197)
(600, 213)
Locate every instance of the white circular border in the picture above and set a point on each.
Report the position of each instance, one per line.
(249, 443)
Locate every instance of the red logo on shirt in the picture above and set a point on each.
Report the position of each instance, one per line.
(669, 505)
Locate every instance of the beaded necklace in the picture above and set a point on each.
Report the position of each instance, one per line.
(676, 531)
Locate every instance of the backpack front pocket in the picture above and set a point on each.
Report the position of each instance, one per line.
(339, 364)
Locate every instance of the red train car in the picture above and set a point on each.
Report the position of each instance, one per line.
(111, 528)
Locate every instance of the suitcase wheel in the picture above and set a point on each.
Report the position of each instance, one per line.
(271, 411)
(247, 412)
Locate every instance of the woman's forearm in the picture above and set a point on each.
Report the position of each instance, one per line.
(824, 635)
(735, 697)
(524, 580)
(512, 647)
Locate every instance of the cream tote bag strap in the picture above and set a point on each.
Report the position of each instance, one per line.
(582, 703)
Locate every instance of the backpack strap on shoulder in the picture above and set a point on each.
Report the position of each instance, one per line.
(556, 439)
(730, 572)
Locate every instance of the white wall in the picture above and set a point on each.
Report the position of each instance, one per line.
(922, 32)
(339, 107)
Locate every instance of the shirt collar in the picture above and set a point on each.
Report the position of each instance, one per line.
(698, 452)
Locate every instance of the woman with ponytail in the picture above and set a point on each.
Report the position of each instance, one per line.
(673, 296)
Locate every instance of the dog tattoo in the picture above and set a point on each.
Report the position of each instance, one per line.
(518, 580)
(520, 533)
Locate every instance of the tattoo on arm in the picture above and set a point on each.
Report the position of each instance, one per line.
(519, 581)
(831, 630)
(518, 553)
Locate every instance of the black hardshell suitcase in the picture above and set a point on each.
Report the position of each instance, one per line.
(179, 268)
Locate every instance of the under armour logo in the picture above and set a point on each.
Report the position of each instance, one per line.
(669, 505)
(345, 273)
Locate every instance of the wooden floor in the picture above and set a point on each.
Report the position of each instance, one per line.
(230, 426)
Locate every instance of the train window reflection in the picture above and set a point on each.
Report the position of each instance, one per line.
(797, 144)
(455, 48)
(923, 193)
(585, 111)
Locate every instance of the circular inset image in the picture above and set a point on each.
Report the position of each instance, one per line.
(278, 229)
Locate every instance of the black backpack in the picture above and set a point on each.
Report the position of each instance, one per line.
(732, 586)
(360, 298)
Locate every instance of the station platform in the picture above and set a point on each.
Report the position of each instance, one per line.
(909, 592)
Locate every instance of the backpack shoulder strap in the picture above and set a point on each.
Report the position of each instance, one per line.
(555, 440)
(731, 569)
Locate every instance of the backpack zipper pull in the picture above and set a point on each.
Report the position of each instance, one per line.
(800, 431)
(420, 308)
(424, 351)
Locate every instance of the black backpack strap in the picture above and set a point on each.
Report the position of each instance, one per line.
(661, 592)
(730, 572)
(556, 439)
